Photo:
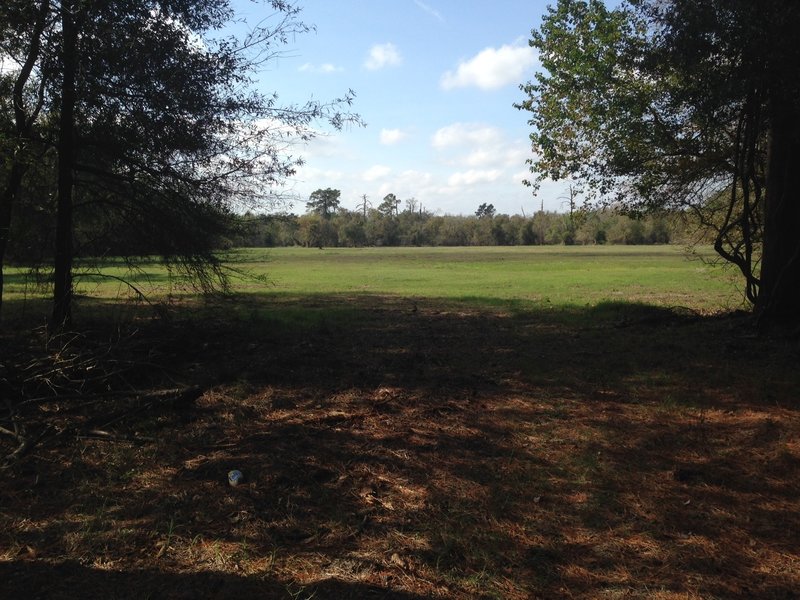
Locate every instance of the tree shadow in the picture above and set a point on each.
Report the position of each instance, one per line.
(395, 446)
(70, 579)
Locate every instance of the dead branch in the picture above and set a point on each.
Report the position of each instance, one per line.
(13, 434)
(25, 446)
(100, 434)
(178, 398)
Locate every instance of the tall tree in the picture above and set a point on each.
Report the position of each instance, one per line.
(324, 202)
(685, 103)
(485, 211)
(364, 206)
(62, 289)
(160, 131)
(390, 205)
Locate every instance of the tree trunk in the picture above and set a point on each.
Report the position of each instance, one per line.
(62, 293)
(23, 123)
(779, 295)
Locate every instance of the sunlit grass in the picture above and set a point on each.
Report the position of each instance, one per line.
(518, 277)
(541, 276)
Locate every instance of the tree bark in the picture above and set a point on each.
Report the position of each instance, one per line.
(62, 293)
(779, 296)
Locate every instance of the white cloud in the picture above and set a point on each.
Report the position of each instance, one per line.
(306, 173)
(479, 146)
(461, 134)
(503, 154)
(392, 136)
(474, 176)
(383, 55)
(413, 177)
(430, 10)
(409, 184)
(520, 176)
(480, 157)
(465, 164)
(492, 68)
(375, 172)
(324, 69)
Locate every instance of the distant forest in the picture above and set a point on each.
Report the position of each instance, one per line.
(415, 226)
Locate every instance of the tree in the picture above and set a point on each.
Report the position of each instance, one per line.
(22, 28)
(390, 206)
(159, 132)
(324, 202)
(350, 227)
(364, 206)
(412, 205)
(485, 211)
(316, 230)
(688, 104)
(575, 216)
(67, 155)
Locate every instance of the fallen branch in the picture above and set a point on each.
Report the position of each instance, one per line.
(114, 437)
(91, 398)
(13, 434)
(26, 444)
(174, 398)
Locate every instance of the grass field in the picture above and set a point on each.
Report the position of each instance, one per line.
(561, 276)
(448, 423)
(525, 277)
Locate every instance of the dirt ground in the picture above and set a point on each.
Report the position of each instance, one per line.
(402, 449)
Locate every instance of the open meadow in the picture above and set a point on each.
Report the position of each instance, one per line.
(523, 277)
(511, 423)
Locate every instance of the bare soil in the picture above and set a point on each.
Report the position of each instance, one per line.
(402, 449)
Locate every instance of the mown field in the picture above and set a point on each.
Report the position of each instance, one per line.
(528, 277)
(412, 423)
(531, 277)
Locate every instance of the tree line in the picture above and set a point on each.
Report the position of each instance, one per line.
(406, 223)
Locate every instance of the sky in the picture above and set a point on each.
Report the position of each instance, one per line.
(435, 83)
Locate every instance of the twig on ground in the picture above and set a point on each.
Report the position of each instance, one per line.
(109, 436)
(26, 445)
(174, 398)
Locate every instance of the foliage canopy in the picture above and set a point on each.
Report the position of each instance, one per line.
(143, 123)
(680, 104)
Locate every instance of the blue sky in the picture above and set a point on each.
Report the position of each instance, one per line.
(435, 81)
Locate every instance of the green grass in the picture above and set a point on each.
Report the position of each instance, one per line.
(561, 276)
(517, 277)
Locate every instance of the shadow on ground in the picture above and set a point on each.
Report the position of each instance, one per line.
(68, 580)
(399, 448)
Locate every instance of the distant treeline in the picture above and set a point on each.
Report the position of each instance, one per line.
(345, 228)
